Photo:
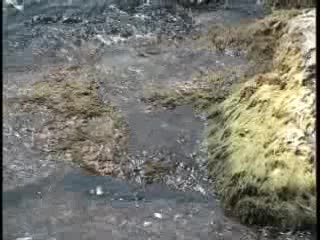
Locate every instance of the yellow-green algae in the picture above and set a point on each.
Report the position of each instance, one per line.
(259, 154)
(83, 129)
(258, 39)
(258, 148)
(201, 92)
(285, 4)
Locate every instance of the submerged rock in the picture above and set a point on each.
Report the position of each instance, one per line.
(83, 130)
(158, 215)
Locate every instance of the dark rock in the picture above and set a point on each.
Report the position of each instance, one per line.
(47, 19)
(114, 30)
(126, 33)
(36, 19)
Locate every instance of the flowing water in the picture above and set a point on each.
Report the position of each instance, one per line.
(131, 45)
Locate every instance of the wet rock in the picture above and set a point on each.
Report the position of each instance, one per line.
(177, 217)
(45, 19)
(13, 4)
(139, 21)
(126, 33)
(92, 29)
(200, 189)
(36, 19)
(99, 191)
(147, 224)
(71, 20)
(158, 215)
(24, 238)
(81, 117)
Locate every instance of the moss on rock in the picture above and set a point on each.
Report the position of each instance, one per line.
(260, 156)
(258, 40)
(261, 121)
(201, 92)
(82, 129)
(285, 4)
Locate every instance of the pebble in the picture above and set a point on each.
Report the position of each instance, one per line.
(147, 224)
(71, 20)
(157, 215)
(148, 109)
(200, 189)
(99, 191)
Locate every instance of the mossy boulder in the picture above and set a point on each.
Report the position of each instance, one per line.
(261, 154)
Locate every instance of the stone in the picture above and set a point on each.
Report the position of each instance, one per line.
(99, 191)
(158, 215)
(147, 224)
(71, 20)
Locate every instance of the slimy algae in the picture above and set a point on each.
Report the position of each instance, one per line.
(260, 155)
(259, 149)
(201, 92)
(258, 40)
(83, 129)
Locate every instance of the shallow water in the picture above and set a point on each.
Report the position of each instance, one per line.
(47, 199)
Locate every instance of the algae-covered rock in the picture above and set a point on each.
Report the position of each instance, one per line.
(257, 39)
(82, 129)
(262, 155)
(261, 129)
(283, 4)
(201, 92)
